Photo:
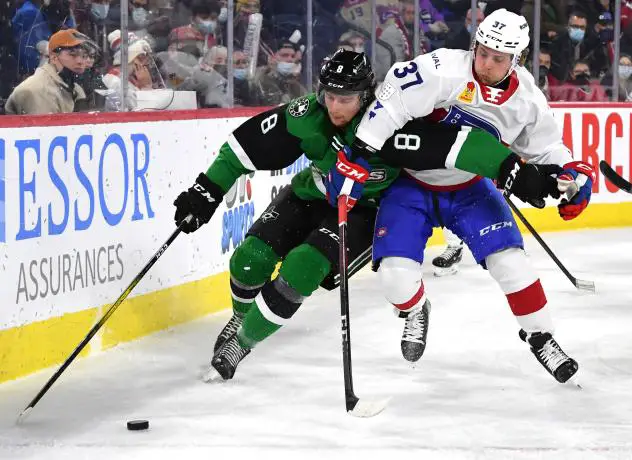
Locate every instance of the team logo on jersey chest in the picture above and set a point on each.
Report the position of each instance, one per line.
(299, 107)
(467, 95)
(493, 95)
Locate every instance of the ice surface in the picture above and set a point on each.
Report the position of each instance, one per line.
(477, 393)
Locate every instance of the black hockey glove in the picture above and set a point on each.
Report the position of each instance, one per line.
(530, 182)
(200, 201)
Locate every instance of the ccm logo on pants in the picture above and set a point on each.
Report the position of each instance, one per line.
(494, 227)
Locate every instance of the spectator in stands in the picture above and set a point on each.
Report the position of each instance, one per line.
(399, 34)
(581, 87)
(244, 91)
(553, 14)
(546, 81)
(217, 59)
(33, 23)
(433, 24)
(91, 80)
(577, 42)
(463, 39)
(594, 8)
(183, 55)
(187, 40)
(139, 71)
(204, 23)
(53, 88)
(243, 10)
(625, 80)
(604, 29)
(8, 62)
(278, 82)
(146, 22)
(358, 13)
(180, 13)
(625, 42)
(355, 39)
(97, 18)
(626, 14)
(207, 78)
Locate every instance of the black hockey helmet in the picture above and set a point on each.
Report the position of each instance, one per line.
(347, 72)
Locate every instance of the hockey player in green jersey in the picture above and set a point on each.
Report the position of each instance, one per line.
(299, 227)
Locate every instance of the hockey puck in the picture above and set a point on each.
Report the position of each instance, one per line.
(137, 425)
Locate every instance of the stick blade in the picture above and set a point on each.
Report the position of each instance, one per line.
(368, 408)
(23, 415)
(585, 285)
(613, 177)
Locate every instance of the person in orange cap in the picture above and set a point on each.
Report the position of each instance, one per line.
(53, 87)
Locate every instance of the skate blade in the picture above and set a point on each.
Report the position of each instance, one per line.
(574, 382)
(440, 271)
(211, 376)
(368, 408)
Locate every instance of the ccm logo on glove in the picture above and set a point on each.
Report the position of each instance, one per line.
(346, 178)
(351, 170)
(202, 191)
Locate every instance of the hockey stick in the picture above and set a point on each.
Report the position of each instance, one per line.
(613, 177)
(582, 285)
(101, 322)
(355, 406)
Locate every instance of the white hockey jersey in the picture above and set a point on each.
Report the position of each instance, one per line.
(441, 86)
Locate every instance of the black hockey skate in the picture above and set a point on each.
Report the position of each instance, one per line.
(447, 263)
(550, 355)
(224, 363)
(415, 332)
(231, 328)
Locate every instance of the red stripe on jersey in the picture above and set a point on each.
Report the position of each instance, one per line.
(436, 116)
(529, 300)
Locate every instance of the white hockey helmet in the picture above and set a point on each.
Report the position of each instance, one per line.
(504, 31)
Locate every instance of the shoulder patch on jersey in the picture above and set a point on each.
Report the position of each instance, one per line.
(467, 95)
(299, 107)
(385, 91)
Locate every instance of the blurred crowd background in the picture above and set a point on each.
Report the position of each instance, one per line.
(68, 55)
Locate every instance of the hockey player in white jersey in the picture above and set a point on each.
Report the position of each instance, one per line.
(488, 88)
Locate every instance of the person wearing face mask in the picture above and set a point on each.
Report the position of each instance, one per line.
(625, 79)
(204, 23)
(99, 10)
(139, 14)
(31, 25)
(604, 28)
(244, 93)
(463, 39)
(279, 81)
(546, 81)
(580, 87)
(577, 42)
(206, 75)
(53, 87)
